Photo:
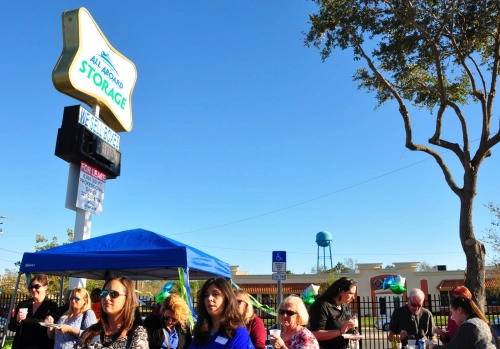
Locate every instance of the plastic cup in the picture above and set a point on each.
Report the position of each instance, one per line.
(411, 342)
(275, 333)
(23, 311)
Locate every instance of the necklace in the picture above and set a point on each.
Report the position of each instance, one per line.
(107, 340)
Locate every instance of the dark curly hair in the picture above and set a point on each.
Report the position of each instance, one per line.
(230, 318)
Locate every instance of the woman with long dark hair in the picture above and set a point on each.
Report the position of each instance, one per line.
(219, 324)
(330, 315)
(120, 326)
(451, 329)
(473, 328)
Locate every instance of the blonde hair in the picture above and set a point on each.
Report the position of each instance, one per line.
(179, 307)
(85, 296)
(249, 314)
(300, 308)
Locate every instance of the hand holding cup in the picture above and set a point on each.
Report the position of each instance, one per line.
(22, 313)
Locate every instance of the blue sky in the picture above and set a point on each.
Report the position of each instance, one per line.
(244, 142)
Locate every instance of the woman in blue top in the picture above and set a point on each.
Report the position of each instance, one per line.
(219, 324)
(78, 318)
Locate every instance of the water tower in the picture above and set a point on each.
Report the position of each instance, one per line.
(323, 239)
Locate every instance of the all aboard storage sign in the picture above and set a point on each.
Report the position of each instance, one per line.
(93, 71)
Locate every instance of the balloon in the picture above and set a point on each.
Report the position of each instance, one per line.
(164, 292)
(308, 300)
(396, 285)
(388, 281)
(309, 294)
(398, 289)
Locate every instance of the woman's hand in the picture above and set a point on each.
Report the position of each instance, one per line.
(49, 319)
(21, 316)
(439, 332)
(277, 342)
(347, 325)
(65, 328)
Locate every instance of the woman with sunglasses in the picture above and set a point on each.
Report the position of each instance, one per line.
(451, 328)
(26, 323)
(473, 328)
(170, 329)
(330, 315)
(120, 325)
(293, 316)
(78, 318)
(253, 323)
(219, 325)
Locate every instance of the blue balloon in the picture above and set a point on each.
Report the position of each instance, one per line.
(388, 282)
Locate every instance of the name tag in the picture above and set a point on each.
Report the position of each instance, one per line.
(221, 340)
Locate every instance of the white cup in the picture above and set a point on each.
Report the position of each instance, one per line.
(411, 342)
(23, 312)
(355, 319)
(275, 333)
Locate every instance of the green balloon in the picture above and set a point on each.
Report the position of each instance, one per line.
(397, 289)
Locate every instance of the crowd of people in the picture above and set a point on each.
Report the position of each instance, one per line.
(110, 318)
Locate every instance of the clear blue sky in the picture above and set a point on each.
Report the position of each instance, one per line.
(235, 120)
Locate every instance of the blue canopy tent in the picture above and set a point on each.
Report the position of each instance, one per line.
(138, 254)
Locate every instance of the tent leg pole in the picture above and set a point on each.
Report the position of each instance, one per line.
(10, 311)
(61, 286)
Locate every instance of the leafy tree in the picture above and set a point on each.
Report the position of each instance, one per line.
(424, 266)
(389, 266)
(289, 272)
(438, 56)
(319, 270)
(492, 234)
(340, 268)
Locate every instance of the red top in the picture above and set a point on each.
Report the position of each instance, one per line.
(451, 329)
(257, 332)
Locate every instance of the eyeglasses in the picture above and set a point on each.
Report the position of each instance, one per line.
(168, 318)
(74, 299)
(112, 294)
(36, 287)
(287, 312)
(414, 304)
(240, 301)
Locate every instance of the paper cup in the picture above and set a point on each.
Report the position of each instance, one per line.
(411, 342)
(23, 311)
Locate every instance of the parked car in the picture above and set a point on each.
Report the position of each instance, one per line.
(382, 324)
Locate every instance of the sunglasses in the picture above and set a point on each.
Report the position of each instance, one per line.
(414, 304)
(74, 299)
(287, 312)
(112, 294)
(36, 287)
(168, 318)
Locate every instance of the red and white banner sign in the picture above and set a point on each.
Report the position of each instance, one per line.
(91, 186)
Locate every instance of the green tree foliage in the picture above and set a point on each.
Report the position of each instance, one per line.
(340, 268)
(389, 266)
(492, 237)
(438, 56)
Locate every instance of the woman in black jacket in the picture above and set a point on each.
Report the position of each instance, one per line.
(170, 329)
(29, 314)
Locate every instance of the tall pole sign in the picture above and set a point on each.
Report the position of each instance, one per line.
(91, 70)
